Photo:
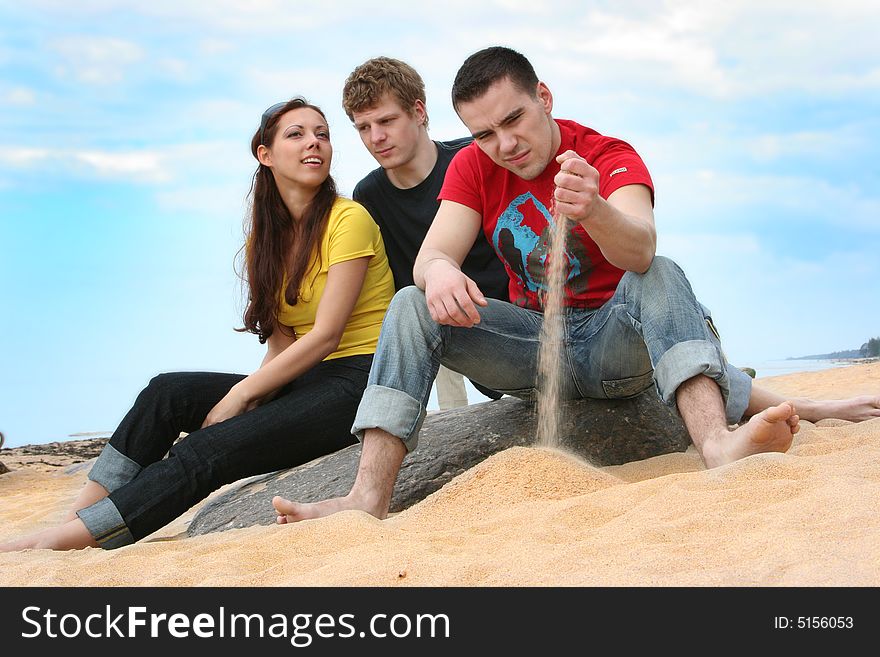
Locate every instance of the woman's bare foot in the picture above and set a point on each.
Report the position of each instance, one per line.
(72, 535)
(289, 511)
(18, 544)
(854, 409)
(770, 430)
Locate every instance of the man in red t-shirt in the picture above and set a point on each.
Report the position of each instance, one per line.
(516, 216)
(632, 319)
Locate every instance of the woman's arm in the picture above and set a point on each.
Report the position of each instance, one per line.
(344, 283)
(278, 342)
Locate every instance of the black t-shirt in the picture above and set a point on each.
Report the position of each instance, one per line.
(404, 216)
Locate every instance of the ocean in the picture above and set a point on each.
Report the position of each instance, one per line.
(790, 366)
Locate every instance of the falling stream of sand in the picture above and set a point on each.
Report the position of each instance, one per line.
(552, 337)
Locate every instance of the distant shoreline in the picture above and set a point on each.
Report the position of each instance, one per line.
(839, 356)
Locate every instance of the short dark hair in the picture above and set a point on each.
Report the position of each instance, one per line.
(486, 67)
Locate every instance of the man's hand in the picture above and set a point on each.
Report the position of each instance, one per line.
(577, 187)
(452, 296)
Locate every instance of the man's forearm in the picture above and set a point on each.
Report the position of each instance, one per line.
(626, 241)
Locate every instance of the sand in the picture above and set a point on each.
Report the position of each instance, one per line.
(531, 517)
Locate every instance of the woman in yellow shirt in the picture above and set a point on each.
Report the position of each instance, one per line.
(319, 285)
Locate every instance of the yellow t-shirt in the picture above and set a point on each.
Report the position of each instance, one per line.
(351, 233)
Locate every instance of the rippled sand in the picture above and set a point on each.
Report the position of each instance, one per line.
(533, 517)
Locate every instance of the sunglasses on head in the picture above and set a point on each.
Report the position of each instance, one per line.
(268, 114)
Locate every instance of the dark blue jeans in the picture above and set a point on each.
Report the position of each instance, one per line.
(310, 417)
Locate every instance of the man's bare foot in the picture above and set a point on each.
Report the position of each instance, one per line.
(381, 456)
(289, 511)
(770, 430)
(854, 409)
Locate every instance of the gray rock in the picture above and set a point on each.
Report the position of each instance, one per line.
(605, 432)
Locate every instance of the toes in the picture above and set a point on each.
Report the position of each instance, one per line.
(282, 506)
(773, 414)
(785, 411)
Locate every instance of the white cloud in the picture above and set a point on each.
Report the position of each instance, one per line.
(18, 158)
(232, 16)
(136, 166)
(718, 50)
(770, 147)
(212, 46)
(711, 197)
(151, 166)
(175, 68)
(315, 84)
(96, 60)
(21, 96)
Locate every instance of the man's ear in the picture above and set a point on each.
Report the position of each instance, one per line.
(542, 91)
(421, 112)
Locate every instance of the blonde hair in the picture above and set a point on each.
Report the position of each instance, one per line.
(376, 77)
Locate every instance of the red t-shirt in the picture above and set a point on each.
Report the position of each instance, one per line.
(518, 223)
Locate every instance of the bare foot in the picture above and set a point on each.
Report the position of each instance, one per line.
(19, 544)
(854, 409)
(71, 535)
(770, 430)
(289, 511)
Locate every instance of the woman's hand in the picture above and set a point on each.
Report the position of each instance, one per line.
(234, 403)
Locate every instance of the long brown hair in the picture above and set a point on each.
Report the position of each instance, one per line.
(275, 244)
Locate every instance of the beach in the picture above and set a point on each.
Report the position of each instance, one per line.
(528, 517)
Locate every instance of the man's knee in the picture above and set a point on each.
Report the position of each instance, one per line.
(663, 267)
(408, 300)
(664, 277)
(408, 307)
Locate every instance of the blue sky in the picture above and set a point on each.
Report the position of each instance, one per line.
(124, 165)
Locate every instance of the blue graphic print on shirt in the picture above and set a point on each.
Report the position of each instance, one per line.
(522, 240)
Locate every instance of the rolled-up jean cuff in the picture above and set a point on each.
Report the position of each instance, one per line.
(391, 410)
(113, 469)
(105, 524)
(685, 360)
(739, 395)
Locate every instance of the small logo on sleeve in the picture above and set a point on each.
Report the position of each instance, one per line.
(616, 171)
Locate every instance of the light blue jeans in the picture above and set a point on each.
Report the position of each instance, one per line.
(652, 330)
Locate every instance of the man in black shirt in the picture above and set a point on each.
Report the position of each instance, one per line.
(385, 100)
